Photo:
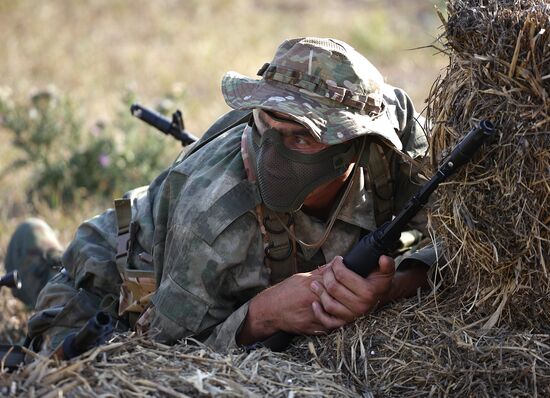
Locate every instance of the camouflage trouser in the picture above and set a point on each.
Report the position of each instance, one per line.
(35, 253)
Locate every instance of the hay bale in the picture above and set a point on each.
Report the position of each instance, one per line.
(494, 216)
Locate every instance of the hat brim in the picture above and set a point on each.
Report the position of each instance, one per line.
(329, 124)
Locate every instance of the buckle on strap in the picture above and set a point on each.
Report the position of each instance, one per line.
(127, 231)
(123, 210)
(273, 252)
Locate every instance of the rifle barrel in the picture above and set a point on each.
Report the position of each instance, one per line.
(152, 118)
(93, 333)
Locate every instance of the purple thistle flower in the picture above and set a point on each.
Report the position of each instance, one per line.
(104, 160)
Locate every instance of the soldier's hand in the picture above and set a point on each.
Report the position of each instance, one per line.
(343, 295)
(287, 307)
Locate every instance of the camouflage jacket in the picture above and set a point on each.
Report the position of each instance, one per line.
(197, 220)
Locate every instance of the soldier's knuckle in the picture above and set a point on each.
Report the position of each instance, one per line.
(337, 323)
(365, 292)
(367, 297)
(329, 323)
(362, 308)
(332, 286)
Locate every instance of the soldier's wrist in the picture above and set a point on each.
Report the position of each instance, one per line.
(260, 323)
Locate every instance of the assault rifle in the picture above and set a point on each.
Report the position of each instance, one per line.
(363, 257)
(174, 127)
(11, 280)
(94, 333)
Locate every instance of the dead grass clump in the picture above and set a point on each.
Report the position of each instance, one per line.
(431, 349)
(139, 367)
(494, 217)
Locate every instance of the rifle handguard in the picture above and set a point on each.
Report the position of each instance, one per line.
(363, 257)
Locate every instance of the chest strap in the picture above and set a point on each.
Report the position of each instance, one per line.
(279, 247)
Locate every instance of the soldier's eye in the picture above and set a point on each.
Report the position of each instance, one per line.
(299, 140)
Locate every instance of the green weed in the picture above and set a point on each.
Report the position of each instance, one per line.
(69, 162)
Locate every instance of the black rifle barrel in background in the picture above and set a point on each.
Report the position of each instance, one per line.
(11, 280)
(94, 333)
(174, 127)
(363, 257)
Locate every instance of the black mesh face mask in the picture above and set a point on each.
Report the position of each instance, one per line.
(285, 176)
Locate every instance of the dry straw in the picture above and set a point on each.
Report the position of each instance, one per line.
(422, 348)
(138, 367)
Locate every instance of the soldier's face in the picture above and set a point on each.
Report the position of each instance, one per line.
(297, 137)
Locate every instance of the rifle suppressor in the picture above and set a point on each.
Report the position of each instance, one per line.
(11, 280)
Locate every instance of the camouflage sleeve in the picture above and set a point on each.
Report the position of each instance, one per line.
(61, 310)
(427, 256)
(224, 335)
(205, 286)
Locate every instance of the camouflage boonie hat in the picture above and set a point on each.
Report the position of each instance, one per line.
(35, 253)
(325, 84)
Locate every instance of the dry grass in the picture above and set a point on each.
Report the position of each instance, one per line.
(96, 49)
